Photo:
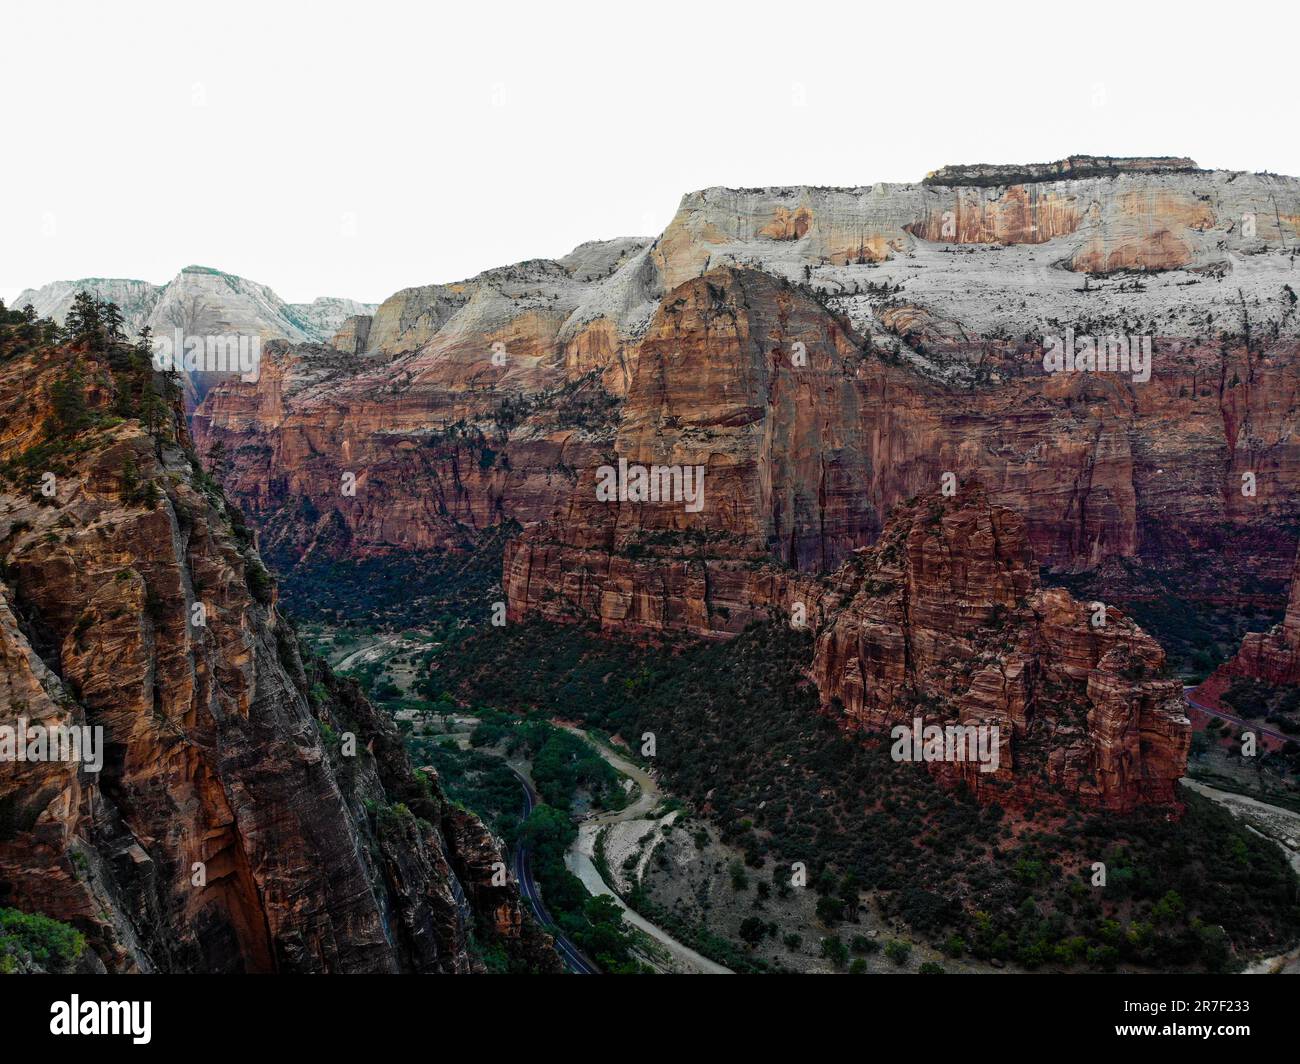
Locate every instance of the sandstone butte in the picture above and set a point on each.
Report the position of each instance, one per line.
(945, 620)
(827, 354)
(222, 743)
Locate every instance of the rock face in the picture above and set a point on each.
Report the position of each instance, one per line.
(1092, 218)
(787, 469)
(944, 621)
(332, 454)
(922, 310)
(808, 433)
(231, 826)
(471, 404)
(1272, 657)
(136, 299)
(1076, 166)
(354, 335)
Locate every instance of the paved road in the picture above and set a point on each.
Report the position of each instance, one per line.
(1249, 725)
(574, 959)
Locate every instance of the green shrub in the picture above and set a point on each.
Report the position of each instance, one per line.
(898, 951)
(51, 944)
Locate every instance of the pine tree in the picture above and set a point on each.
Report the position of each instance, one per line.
(111, 317)
(154, 413)
(219, 463)
(84, 324)
(68, 403)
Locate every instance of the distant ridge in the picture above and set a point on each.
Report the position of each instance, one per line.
(983, 175)
(202, 298)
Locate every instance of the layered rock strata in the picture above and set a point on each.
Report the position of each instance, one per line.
(494, 399)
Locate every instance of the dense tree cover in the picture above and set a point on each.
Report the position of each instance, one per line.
(434, 590)
(31, 939)
(595, 925)
(562, 763)
(563, 766)
(477, 781)
(738, 722)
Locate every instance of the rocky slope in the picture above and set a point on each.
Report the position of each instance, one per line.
(944, 620)
(232, 825)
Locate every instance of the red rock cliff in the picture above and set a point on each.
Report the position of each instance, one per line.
(228, 829)
(922, 310)
(802, 459)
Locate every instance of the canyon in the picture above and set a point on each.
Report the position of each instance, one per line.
(912, 317)
(842, 363)
(827, 355)
(854, 385)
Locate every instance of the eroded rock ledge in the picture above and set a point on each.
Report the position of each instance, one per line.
(1075, 166)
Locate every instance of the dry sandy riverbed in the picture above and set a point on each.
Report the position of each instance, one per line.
(631, 823)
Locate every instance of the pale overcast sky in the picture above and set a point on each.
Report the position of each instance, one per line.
(352, 149)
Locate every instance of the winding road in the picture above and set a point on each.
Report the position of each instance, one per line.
(581, 864)
(574, 959)
(1249, 725)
